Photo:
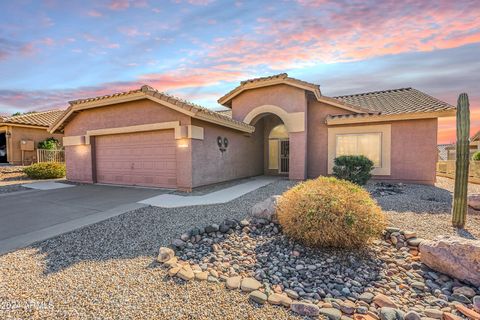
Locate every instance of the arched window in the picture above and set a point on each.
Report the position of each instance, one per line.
(278, 132)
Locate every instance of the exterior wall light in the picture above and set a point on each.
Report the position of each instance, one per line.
(182, 143)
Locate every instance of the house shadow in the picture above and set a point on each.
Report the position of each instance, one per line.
(424, 199)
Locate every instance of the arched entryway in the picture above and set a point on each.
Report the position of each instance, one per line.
(267, 117)
(276, 150)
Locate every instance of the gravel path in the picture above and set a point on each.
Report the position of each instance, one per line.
(106, 270)
(426, 210)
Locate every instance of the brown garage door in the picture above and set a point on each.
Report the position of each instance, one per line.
(141, 159)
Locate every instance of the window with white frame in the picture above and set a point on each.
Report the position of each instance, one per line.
(365, 144)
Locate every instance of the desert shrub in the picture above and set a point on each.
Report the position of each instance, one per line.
(49, 144)
(355, 169)
(45, 170)
(327, 212)
(476, 156)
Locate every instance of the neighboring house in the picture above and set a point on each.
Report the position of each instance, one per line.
(474, 147)
(443, 151)
(278, 125)
(30, 128)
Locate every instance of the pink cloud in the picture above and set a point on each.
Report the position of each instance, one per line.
(133, 31)
(351, 34)
(125, 4)
(94, 13)
(119, 4)
(102, 41)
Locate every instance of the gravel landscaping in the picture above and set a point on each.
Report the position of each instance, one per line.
(109, 270)
(12, 178)
(106, 270)
(426, 209)
(381, 279)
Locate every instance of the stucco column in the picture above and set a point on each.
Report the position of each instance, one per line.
(184, 164)
(298, 155)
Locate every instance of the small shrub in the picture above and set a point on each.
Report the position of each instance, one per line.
(49, 144)
(45, 170)
(476, 156)
(327, 212)
(355, 169)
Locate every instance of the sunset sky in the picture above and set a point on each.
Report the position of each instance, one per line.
(55, 51)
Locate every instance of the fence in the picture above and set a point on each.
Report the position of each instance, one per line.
(45, 155)
(447, 169)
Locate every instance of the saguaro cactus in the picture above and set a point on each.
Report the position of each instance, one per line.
(459, 210)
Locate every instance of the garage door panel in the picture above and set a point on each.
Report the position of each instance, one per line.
(144, 159)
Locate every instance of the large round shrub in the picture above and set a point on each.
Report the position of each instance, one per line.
(45, 170)
(356, 169)
(476, 156)
(327, 212)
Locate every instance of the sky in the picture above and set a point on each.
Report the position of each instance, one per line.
(55, 51)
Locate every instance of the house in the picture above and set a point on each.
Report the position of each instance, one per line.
(474, 147)
(20, 134)
(443, 151)
(278, 125)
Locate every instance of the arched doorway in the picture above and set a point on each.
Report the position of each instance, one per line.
(271, 129)
(278, 149)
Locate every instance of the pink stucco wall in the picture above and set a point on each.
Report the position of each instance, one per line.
(243, 157)
(286, 97)
(414, 151)
(318, 137)
(291, 100)
(80, 159)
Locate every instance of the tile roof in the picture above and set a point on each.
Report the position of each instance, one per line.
(476, 136)
(42, 118)
(270, 80)
(397, 101)
(227, 113)
(199, 111)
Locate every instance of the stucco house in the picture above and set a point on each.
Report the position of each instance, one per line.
(451, 150)
(276, 125)
(20, 134)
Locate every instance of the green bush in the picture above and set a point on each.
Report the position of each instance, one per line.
(45, 170)
(49, 144)
(476, 156)
(355, 169)
(327, 212)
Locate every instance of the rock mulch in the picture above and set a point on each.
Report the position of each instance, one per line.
(11, 178)
(105, 271)
(425, 209)
(385, 280)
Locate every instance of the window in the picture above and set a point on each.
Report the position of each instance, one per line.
(365, 144)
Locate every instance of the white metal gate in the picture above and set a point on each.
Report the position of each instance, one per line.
(284, 155)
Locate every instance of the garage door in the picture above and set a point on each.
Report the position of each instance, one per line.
(141, 159)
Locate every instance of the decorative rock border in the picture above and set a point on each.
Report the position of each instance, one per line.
(335, 298)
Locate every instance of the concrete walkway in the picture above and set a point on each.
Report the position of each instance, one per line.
(47, 185)
(221, 196)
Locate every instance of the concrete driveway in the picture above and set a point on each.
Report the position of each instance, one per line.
(34, 215)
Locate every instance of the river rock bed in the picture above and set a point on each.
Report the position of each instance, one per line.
(385, 280)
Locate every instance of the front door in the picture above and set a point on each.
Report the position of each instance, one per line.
(284, 154)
